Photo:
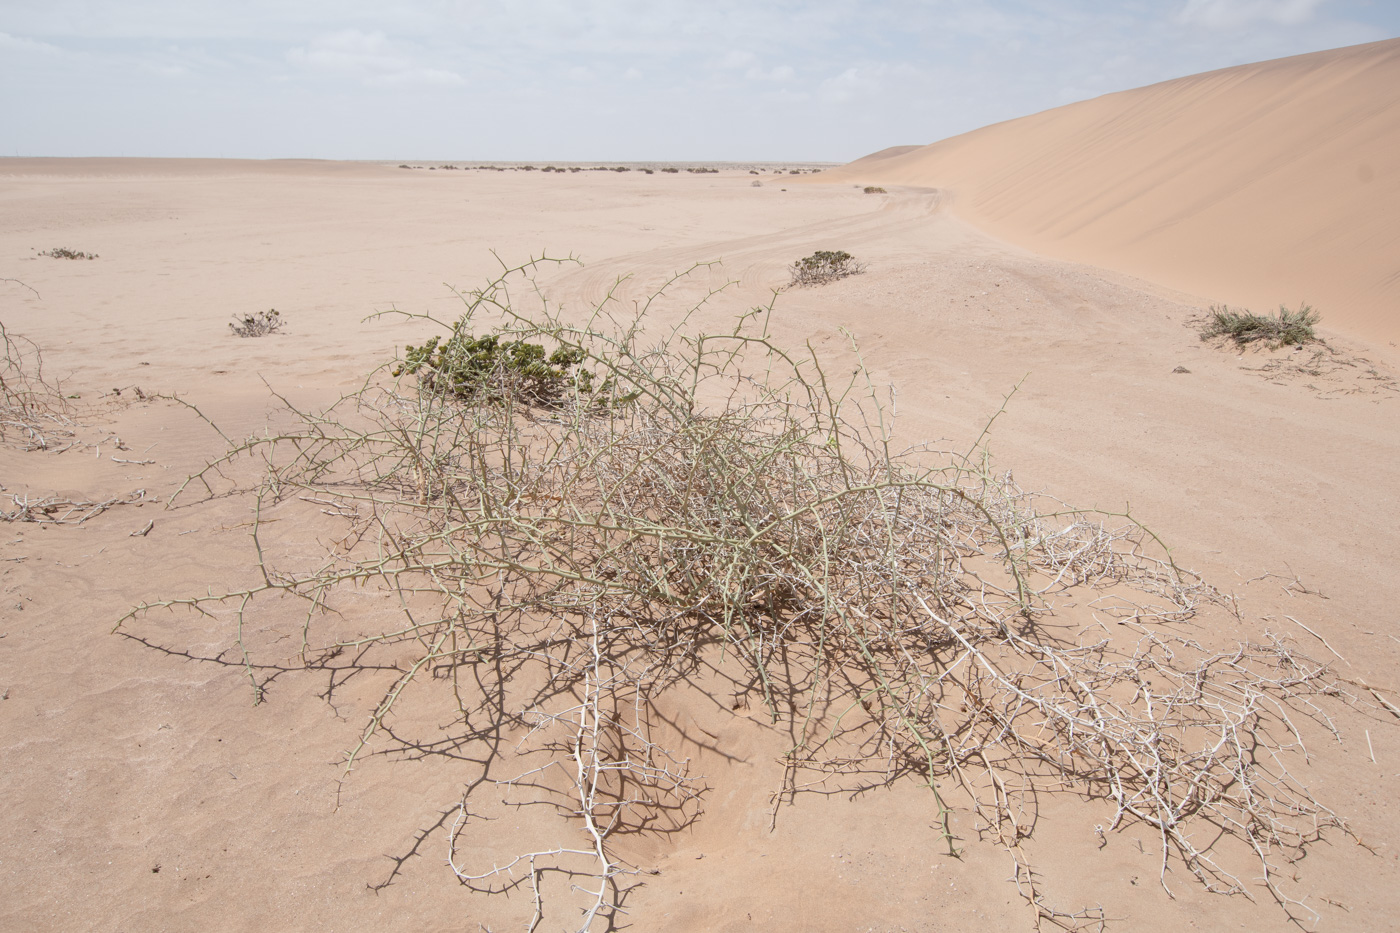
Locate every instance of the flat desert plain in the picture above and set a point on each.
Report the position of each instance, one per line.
(144, 789)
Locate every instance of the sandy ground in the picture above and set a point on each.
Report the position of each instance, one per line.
(145, 791)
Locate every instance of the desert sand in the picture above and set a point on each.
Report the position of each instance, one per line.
(143, 788)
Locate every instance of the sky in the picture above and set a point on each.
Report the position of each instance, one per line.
(625, 80)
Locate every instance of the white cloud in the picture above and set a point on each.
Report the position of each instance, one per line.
(21, 44)
(850, 84)
(370, 56)
(1229, 14)
(738, 59)
(780, 74)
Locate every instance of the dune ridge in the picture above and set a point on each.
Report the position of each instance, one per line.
(1261, 184)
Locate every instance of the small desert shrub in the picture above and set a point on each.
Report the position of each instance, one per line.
(59, 252)
(405, 166)
(795, 171)
(670, 171)
(752, 172)
(648, 171)
(1242, 326)
(825, 266)
(756, 183)
(874, 189)
(256, 325)
(478, 369)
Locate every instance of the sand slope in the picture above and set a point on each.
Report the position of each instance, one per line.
(1260, 184)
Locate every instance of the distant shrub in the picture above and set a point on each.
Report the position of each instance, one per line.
(1287, 328)
(795, 171)
(825, 266)
(527, 168)
(256, 325)
(648, 171)
(622, 168)
(671, 171)
(405, 166)
(60, 252)
(875, 189)
(756, 183)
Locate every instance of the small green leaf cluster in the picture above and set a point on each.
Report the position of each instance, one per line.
(493, 369)
(60, 252)
(825, 266)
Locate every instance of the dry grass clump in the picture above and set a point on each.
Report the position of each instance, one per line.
(710, 512)
(875, 189)
(824, 266)
(36, 415)
(62, 252)
(256, 325)
(1287, 328)
(33, 410)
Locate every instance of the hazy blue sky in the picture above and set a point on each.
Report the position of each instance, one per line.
(601, 79)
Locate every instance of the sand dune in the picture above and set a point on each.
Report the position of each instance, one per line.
(1271, 183)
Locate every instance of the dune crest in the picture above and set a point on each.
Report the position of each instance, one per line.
(1269, 183)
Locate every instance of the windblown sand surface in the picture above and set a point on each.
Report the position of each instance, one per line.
(1257, 185)
(143, 789)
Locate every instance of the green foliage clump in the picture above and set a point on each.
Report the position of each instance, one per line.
(60, 252)
(875, 189)
(824, 266)
(671, 170)
(490, 368)
(1287, 328)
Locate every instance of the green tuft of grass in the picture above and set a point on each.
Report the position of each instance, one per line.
(1287, 328)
